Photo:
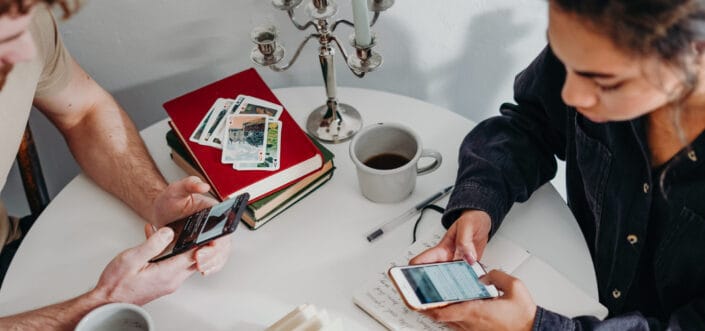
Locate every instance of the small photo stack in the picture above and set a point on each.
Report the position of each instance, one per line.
(246, 129)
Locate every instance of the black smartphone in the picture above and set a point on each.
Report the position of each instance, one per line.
(204, 226)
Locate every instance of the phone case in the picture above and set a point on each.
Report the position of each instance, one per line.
(238, 207)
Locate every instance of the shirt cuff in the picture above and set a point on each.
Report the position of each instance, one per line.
(472, 196)
(548, 320)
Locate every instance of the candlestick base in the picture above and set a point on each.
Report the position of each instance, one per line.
(325, 127)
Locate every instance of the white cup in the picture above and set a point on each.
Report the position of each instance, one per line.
(116, 317)
(398, 151)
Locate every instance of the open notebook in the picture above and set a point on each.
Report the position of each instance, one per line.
(380, 299)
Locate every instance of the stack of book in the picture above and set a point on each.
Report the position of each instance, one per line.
(304, 164)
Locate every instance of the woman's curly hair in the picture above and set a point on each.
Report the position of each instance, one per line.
(665, 28)
(23, 6)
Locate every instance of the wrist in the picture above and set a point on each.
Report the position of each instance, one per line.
(97, 297)
(478, 217)
(534, 318)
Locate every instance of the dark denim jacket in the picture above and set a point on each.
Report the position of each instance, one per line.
(610, 192)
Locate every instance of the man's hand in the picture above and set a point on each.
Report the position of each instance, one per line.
(514, 310)
(466, 239)
(181, 199)
(130, 277)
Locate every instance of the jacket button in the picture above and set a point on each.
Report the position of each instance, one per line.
(632, 239)
(646, 187)
(692, 156)
(616, 294)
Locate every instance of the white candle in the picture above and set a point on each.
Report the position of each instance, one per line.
(361, 19)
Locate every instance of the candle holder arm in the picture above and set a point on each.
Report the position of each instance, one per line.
(374, 19)
(296, 55)
(300, 26)
(345, 57)
(342, 21)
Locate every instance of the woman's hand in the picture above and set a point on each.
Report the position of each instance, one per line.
(465, 240)
(513, 310)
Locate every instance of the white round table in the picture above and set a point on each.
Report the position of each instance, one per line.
(315, 252)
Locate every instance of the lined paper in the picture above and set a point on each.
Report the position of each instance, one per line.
(379, 298)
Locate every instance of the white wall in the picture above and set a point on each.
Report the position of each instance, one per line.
(459, 54)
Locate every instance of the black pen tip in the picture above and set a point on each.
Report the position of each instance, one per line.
(374, 235)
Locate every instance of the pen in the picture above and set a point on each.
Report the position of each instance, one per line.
(393, 223)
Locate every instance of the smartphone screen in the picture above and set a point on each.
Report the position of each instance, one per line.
(433, 285)
(445, 282)
(204, 226)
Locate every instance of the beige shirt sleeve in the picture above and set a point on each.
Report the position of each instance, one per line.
(57, 69)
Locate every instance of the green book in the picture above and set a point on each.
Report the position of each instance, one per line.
(175, 144)
(255, 223)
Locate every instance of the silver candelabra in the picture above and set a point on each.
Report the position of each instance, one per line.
(333, 122)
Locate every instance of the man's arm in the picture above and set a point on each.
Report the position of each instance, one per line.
(105, 142)
(128, 278)
(108, 148)
(61, 316)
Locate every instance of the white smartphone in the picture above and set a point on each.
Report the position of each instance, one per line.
(435, 285)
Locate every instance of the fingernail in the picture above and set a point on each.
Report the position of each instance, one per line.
(470, 257)
(484, 280)
(202, 254)
(204, 270)
(207, 271)
(165, 234)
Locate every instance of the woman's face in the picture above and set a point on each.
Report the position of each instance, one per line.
(602, 82)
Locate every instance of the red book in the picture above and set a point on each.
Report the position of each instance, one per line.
(299, 156)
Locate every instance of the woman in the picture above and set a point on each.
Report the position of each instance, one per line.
(619, 94)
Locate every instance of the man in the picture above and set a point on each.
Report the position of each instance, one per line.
(35, 68)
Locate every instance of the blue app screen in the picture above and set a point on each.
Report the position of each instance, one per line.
(445, 282)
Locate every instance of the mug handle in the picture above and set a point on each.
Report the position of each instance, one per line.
(431, 167)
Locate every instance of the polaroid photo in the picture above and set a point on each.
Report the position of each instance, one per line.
(216, 137)
(255, 106)
(272, 150)
(196, 135)
(246, 139)
(220, 109)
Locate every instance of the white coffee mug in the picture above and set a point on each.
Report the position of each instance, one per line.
(386, 156)
(116, 317)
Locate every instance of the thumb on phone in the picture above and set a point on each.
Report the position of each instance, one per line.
(442, 252)
(155, 244)
(501, 280)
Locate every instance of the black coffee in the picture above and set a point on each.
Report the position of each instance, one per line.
(386, 161)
